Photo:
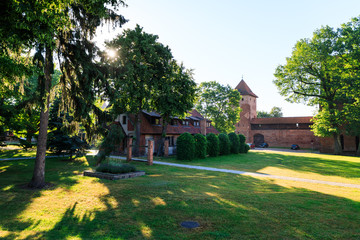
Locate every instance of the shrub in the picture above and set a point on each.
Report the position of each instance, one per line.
(224, 144)
(200, 146)
(115, 168)
(25, 144)
(185, 147)
(234, 143)
(242, 147)
(212, 145)
(247, 148)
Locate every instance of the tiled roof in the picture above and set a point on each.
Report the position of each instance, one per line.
(281, 120)
(244, 89)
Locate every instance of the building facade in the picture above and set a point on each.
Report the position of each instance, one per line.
(284, 131)
(151, 129)
(277, 132)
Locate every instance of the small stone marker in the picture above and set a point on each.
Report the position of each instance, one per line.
(190, 224)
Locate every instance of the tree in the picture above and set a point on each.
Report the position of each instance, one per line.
(314, 74)
(64, 132)
(173, 95)
(64, 28)
(143, 65)
(274, 112)
(220, 104)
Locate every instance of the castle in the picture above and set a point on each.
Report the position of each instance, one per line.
(279, 132)
(283, 131)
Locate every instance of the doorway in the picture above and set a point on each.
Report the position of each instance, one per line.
(258, 139)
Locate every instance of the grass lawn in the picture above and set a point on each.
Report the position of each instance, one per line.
(227, 206)
(15, 152)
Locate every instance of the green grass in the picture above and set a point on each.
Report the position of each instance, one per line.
(227, 206)
(293, 164)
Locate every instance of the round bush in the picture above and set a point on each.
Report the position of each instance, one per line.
(242, 139)
(212, 145)
(224, 144)
(234, 143)
(185, 147)
(247, 148)
(200, 146)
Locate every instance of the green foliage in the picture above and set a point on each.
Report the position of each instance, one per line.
(200, 146)
(224, 144)
(185, 147)
(247, 148)
(275, 112)
(242, 144)
(324, 71)
(220, 104)
(115, 168)
(149, 78)
(212, 145)
(25, 144)
(110, 142)
(234, 143)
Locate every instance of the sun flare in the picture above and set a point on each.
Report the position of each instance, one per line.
(111, 53)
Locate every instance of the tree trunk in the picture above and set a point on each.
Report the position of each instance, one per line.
(136, 149)
(160, 151)
(337, 144)
(38, 179)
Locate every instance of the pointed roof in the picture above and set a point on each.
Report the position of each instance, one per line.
(244, 89)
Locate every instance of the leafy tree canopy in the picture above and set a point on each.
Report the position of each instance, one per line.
(324, 71)
(220, 104)
(274, 112)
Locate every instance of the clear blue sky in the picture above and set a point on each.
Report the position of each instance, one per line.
(223, 40)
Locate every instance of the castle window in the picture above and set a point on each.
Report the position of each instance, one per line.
(124, 120)
(185, 122)
(196, 123)
(242, 99)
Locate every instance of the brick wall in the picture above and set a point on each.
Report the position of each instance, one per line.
(285, 138)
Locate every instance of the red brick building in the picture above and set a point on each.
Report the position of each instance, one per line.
(284, 131)
(151, 127)
(277, 132)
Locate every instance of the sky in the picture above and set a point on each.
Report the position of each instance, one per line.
(229, 40)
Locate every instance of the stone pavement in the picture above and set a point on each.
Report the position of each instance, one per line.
(248, 173)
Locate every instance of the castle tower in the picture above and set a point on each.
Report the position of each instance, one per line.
(248, 106)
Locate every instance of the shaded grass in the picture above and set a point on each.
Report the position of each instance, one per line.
(227, 206)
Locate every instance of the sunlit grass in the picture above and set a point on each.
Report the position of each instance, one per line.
(334, 168)
(227, 206)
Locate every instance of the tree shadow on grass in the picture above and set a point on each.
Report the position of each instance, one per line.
(15, 198)
(227, 206)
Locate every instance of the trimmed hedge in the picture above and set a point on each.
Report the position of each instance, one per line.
(185, 147)
(242, 147)
(234, 143)
(200, 145)
(247, 148)
(212, 145)
(224, 144)
(115, 168)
